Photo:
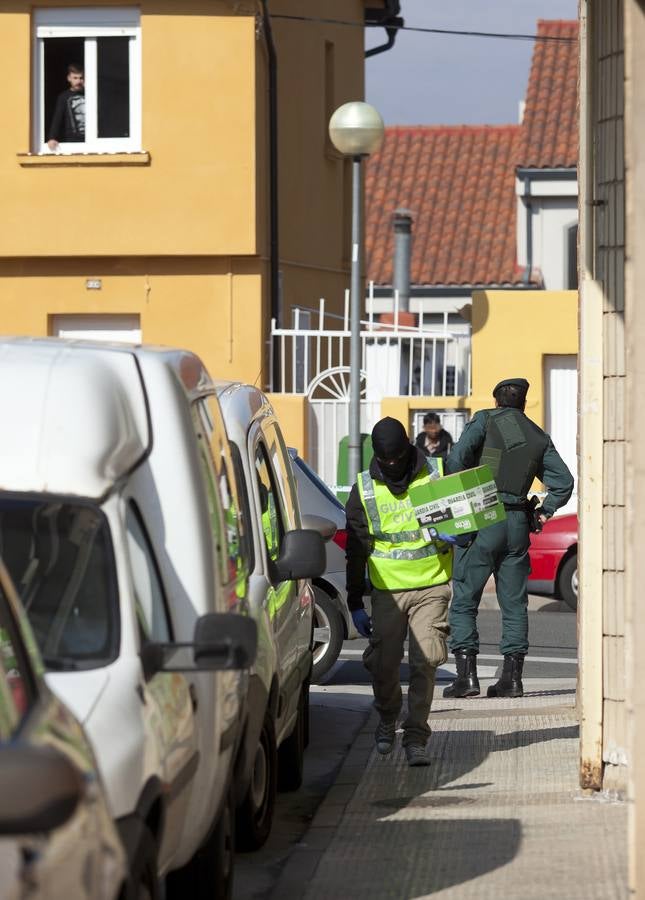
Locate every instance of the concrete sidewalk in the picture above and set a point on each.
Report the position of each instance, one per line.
(498, 813)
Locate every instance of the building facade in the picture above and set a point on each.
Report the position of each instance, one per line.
(200, 198)
(612, 372)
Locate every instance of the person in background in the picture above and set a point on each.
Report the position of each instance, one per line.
(410, 573)
(434, 440)
(68, 121)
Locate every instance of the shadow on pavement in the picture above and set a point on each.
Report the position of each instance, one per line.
(421, 853)
(455, 753)
(426, 856)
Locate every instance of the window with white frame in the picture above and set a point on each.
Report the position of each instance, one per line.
(87, 80)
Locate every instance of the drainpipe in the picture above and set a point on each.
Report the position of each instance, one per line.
(402, 253)
(274, 255)
(526, 277)
(389, 18)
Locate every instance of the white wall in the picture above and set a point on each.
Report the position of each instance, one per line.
(554, 210)
(561, 413)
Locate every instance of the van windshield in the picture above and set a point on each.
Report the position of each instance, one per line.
(60, 557)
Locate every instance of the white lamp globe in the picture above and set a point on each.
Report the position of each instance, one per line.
(356, 129)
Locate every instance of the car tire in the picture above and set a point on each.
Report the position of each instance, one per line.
(568, 581)
(255, 813)
(328, 627)
(291, 755)
(144, 880)
(209, 874)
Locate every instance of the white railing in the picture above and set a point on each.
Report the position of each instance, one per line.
(396, 360)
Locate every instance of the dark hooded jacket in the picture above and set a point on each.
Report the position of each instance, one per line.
(443, 449)
(359, 540)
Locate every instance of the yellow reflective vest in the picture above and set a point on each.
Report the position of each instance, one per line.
(403, 557)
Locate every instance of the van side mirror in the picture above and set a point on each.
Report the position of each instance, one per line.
(302, 555)
(222, 642)
(225, 641)
(325, 527)
(40, 789)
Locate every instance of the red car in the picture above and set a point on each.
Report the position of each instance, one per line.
(554, 559)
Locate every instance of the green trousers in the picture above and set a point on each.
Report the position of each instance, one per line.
(502, 551)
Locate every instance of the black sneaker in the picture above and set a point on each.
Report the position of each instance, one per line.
(384, 736)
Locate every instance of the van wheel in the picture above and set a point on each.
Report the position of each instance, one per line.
(292, 750)
(209, 874)
(328, 635)
(255, 814)
(143, 877)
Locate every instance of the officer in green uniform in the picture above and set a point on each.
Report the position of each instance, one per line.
(410, 574)
(517, 451)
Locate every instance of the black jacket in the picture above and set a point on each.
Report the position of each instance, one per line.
(444, 448)
(68, 121)
(359, 540)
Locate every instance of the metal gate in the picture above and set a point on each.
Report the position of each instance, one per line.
(328, 423)
(328, 419)
(395, 361)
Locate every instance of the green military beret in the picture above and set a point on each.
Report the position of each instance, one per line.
(520, 383)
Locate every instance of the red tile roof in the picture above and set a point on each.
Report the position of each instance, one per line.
(459, 184)
(551, 112)
(459, 181)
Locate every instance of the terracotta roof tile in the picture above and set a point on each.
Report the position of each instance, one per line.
(459, 184)
(551, 111)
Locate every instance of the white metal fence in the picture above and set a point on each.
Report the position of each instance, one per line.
(395, 360)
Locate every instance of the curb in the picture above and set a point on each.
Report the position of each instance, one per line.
(305, 856)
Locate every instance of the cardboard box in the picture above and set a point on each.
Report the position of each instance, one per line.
(456, 504)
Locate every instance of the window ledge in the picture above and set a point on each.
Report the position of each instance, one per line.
(84, 159)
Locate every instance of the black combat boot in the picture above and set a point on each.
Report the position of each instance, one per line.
(466, 684)
(510, 684)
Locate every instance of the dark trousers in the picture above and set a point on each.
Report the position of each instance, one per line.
(502, 551)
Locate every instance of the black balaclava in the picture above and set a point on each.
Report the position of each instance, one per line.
(390, 441)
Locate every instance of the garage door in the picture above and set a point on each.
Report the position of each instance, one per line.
(121, 327)
(561, 412)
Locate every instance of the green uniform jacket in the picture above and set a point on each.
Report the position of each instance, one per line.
(552, 470)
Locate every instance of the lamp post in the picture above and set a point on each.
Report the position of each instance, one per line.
(356, 129)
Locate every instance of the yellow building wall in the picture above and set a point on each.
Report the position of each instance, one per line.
(320, 67)
(292, 413)
(212, 307)
(181, 236)
(197, 193)
(512, 332)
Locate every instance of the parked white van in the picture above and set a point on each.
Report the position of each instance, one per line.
(117, 523)
(281, 601)
(57, 837)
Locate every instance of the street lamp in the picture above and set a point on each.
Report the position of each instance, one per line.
(356, 129)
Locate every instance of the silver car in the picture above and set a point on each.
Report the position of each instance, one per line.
(332, 619)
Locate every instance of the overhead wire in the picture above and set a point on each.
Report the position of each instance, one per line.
(499, 35)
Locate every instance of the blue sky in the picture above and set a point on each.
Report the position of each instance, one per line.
(453, 80)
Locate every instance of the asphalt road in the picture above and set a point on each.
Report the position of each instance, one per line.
(339, 708)
(552, 653)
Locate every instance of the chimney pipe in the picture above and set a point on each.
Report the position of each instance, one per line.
(402, 256)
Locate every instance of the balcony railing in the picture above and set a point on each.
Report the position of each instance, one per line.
(396, 360)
